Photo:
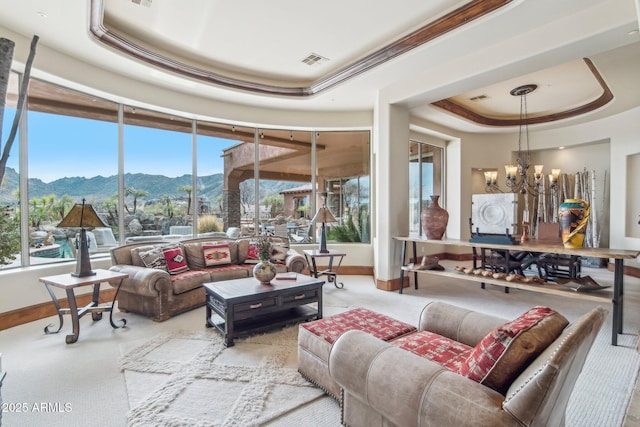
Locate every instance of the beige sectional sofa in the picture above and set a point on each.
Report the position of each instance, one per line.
(159, 292)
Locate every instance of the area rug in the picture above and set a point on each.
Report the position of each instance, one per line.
(190, 379)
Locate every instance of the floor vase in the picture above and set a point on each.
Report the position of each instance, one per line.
(573, 216)
(434, 220)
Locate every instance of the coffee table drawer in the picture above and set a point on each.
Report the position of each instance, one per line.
(255, 306)
(300, 296)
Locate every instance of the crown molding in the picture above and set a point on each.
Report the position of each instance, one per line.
(455, 19)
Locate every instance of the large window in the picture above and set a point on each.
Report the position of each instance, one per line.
(157, 179)
(224, 163)
(343, 162)
(74, 152)
(72, 156)
(9, 181)
(425, 180)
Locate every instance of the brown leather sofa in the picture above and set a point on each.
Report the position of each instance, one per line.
(159, 295)
(384, 385)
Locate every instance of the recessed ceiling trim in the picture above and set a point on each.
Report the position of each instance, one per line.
(455, 19)
(603, 99)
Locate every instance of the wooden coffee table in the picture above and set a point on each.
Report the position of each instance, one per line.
(243, 306)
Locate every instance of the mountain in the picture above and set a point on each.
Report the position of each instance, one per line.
(100, 188)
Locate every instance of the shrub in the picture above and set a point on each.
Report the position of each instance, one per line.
(10, 232)
(209, 223)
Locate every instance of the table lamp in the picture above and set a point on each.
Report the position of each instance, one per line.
(81, 216)
(323, 215)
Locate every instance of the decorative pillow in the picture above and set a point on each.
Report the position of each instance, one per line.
(136, 251)
(278, 254)
(252, 254)
(154, 258)
(243, 248)
(504, 353)
(175, 259)
(218, 254)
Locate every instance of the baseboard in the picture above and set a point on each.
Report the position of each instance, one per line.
(627, 270)
(28, 314)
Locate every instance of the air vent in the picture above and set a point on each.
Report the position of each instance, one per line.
(478, 98)
(142, 2)
(314, 59)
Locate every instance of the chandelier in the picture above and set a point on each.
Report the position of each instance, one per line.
(518, 174)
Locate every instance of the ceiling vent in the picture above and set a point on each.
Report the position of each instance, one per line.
(478, 98)
(314, 59)
(142, 2)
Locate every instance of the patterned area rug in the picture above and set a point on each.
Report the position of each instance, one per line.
(191, 379)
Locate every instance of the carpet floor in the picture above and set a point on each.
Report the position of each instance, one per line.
(127, 376)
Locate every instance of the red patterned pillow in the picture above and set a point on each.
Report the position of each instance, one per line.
(217, 254)
(252, 254)
(175, 259)
(504, 353)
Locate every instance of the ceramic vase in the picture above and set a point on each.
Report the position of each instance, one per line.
(434, 220)
(573, 216)
(264, 271)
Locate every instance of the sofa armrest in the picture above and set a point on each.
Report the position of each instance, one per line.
(406, 389)
(143, 281)
(295, 261)
(457, 323)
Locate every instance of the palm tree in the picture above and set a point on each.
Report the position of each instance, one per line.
(61, 205)
(111, 205)
(188, 189)
(130, 191)
(168, 206)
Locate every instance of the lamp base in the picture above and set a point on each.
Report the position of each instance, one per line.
(83, 260)
(323, 241)
(83, 274)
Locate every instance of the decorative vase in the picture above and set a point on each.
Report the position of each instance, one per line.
(434, 220)
(573, 216)
(264, 271)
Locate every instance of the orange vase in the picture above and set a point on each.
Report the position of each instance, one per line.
(573, 217)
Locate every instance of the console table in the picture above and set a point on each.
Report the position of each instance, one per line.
(69, 283)
(619, 255)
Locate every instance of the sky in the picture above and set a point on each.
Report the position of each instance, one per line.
(62, 146)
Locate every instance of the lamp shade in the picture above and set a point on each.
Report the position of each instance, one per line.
(323, 215)
(82, 215)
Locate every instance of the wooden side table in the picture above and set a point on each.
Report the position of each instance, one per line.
(332, 275)
(69, 283)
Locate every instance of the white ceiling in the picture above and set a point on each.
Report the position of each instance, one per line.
(541, 42)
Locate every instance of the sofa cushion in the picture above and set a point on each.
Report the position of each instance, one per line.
(444, 351)
(175, 259)
(230, 272)
(502, 355)
(380, 326)
(216, 254)
(154, 258)
(189, 280)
